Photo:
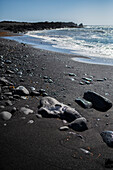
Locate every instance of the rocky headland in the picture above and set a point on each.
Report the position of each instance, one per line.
(27, 26)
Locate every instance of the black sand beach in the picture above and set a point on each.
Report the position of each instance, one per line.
(39, 144)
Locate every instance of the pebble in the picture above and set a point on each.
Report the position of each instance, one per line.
(25, 110)
(9, 72)
(32, 88)
(45, 94)
(31, 121)
(22, 91)
(2, 107)
(35, 93)
(81, 83)
(45, 77)
(85, 151)
(72, 74)
(64, 128)
(5, 115)
(64, 121)
(50, 81)
(107, 115)
(14, 109)
(87, 79)
(38, 115)
(19, 73)
(8, 61)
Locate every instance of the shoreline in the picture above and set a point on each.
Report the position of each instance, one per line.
(48, 47)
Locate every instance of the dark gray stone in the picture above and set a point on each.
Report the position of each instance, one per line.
(83, 103)
(5, 115)
(8, 61)
(8, 103)
(70, 114)
(26, 111)
(72, 74)
(9, 72)
(22, 91)
(79, 124)
(99, 102)
(35, 93)
(107, 137)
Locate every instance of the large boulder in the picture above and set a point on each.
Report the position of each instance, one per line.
(50, 107)
(99, 102)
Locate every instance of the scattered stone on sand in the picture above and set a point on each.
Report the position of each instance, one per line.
(26, 111)
(86, 80)
(4, 81)
(100, 79)
(64, 128)
(79, 124)
(5, 115)
(22, 91)
(107, 137)
(99, 102)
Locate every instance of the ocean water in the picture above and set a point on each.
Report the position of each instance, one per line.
(95, 42)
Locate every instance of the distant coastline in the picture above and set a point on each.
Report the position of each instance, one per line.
(17, 27)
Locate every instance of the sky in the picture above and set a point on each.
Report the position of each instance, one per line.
(88, 12)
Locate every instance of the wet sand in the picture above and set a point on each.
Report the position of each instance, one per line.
(41, 145)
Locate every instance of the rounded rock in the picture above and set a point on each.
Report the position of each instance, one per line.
(5, 115)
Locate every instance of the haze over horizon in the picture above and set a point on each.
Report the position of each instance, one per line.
(88, 12)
